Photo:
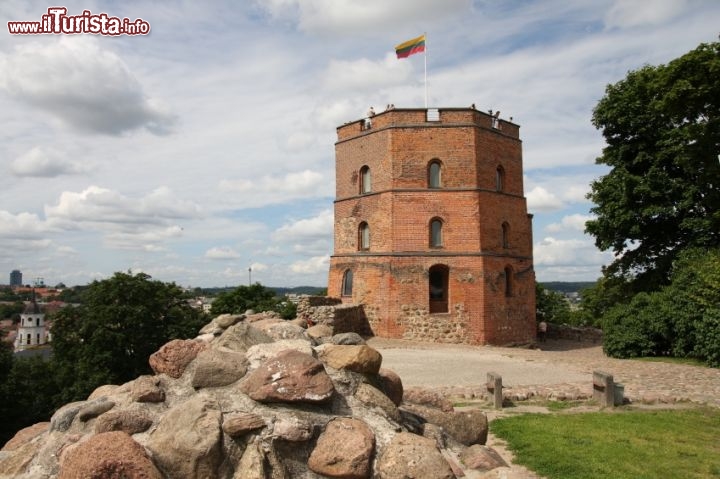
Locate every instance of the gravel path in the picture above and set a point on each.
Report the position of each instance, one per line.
(559, 370)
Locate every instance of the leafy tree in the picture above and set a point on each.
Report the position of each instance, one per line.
(12, 310)
(256, 297)
(662, 194)
(30, 393)
(551, 306)
(120, 323)
(682, 319)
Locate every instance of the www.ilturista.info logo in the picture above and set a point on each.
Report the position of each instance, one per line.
(57, 21)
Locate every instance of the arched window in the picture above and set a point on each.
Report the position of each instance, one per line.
(365, 180)
(37, 321)
(363, 236)
(438, 288)
(508, 281)
(435, 174)
(347, 283)
(505, 235)
(499, 179)
(436, 239)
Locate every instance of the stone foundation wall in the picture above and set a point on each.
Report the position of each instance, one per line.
(343, 318)
(575, 333)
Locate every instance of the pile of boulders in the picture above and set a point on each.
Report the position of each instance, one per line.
(255, 397)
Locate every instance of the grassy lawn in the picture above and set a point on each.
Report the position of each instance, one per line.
(668, 359)
(619, 444)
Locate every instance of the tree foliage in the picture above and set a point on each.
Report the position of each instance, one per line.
(662, 194)
(120, 323)
(681, 319)
(256, 297)
(551, 306)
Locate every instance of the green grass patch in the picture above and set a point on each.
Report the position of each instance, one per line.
(563, 405)
(622, 444)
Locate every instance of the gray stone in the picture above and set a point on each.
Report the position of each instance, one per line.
(481, 458)
(187, 440)
(131, 422)
(374, 398)
(467, 427)
(214, 368)
(361, 359)
(292, 429)
(319, 331)
(344, 449)
(63, 417)
(147, 389)
(226, 320)
(391, 384)
(348, 339)
(240, 336)
(412, 456)
(95, 408)
(258, 354)
(241, 423)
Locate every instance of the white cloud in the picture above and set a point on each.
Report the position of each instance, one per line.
(574, 222)
(269, 190)
(46, 163)
(22, 226)
(320, 226)
(638, 13)
(568, 252)
(222, 253)
(368, 16)
(365, 75)
(101, 205)
(539, 199)
(92, 89)
(311, 266)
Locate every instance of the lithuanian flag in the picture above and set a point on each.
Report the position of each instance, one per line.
(416, 45)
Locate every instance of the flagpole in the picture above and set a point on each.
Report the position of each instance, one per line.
(425, 57)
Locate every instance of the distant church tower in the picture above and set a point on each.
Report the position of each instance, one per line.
(432, 234)
(31, 331)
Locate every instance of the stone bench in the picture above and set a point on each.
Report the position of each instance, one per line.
(494, 388)
(605, 390)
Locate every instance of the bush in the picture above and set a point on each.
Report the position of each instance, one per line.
(641, 328)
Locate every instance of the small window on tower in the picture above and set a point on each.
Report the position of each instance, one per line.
(365, 180)
(505, 235)
(347, 283)
(363, 236)
(508, 281)
(499, 179)
(436, 239)
(434, 174)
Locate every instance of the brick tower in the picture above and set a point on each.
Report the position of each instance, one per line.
(432, 234)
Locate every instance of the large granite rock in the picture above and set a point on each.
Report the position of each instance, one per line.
(109, 455)
(239, 405)
(173, 357)
(214, 368)
(361, 359)
(467, 427)
(344, 450)
(239, 337)
(291, 376)
(188, 440)
(412, 456)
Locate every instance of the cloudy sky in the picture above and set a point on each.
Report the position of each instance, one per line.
(207, 146)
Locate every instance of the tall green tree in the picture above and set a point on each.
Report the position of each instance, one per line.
(120, 323)
(256, 297)
(551, 306)
(662, 194)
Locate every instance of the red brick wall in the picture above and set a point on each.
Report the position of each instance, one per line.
(391, 278)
